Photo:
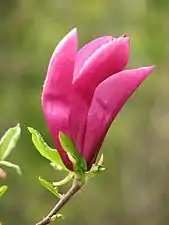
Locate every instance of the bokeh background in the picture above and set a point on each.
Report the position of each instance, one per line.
(135, 188)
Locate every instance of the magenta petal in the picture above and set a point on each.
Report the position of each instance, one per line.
(58, 85)
(107, 60)
(109, 98)
(84, 53)
(110, 58)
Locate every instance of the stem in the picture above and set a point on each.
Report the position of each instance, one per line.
(75, 187)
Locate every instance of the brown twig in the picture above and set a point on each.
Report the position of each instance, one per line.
(48, 219)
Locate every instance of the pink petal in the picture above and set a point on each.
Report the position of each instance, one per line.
(58, 84)
(107, 60)
(109, 98)
(84, 53)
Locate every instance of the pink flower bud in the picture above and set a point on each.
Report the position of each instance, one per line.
(84, 91)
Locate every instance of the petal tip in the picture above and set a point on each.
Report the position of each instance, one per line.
(72, 34)
(124, 41)
(73, 31)
(151, 68)
(127, 39)
(144, 72)
(148, 69)
(124, 35)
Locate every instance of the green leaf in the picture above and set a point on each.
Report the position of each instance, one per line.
(45, 150)
(3, 189)
(96, 169)
(53, 218)
(56, 166)
(68, 145)
(57, 216)
(50, 187)
(9, 141)
(11, 165)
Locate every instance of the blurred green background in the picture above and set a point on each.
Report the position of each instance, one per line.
(135, 188)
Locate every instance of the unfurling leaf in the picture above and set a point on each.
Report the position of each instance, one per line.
(47, 152)
(57, 216)
(11, 165)
(50, 187)
(3, 189)
(69, 147)
(95, 169)
(64, 181)
(9, 141)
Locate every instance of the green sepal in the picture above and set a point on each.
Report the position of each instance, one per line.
(11, 165)
(78, 161)
(9, 141)
(3, 189)
(50, 187)
(47, 152)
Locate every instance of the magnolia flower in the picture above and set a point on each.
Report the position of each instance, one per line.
(85, 90)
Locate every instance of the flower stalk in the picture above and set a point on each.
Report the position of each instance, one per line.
(76, 186)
